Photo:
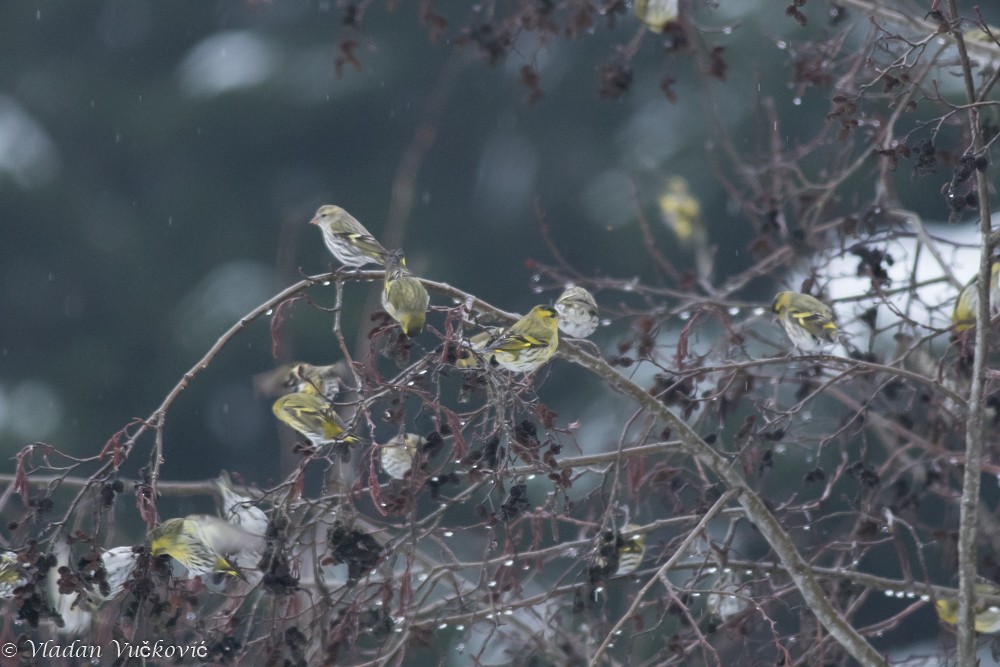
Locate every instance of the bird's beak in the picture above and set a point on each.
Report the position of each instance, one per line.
(314, 221)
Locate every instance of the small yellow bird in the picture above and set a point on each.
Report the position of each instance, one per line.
(201, 543)
(680, 210)
(656, 14)
(403, 296)
(630, 550)
(987, 615)
(11, 575)
(470, 352)
(577, 312)
(313, 417)
(967, 304)
(980, 35)
(529, 343)
(347, 239)
(808, 321)
(615, 550)
(397, 455)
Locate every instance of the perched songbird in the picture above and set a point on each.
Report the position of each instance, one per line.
(656, 14)
(11, 575)
(240, 510)
(808, 321)
(726, 601)
(201, 543)
(317, 380)
(630, 550)
(618, 555)
(397, 455)
(118, 564)
(320, 380)
(313, 417)
(577, 312)
(403, 296)
(347, 238)
(470, 353)
(74, 619)
(964, 314)
(987, 615)
(529, 343)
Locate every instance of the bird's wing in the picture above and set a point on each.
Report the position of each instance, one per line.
(223, 537)
(517, 342)
(366, 242)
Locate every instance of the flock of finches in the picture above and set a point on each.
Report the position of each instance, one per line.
(207, 546)
(233, 545)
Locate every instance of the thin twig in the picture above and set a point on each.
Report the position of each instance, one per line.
(660, 575)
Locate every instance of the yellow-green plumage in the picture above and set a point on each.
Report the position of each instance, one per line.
(681, 211)
(201, 543)
(808, 321)
(403, 296)
(630, 551)
(966, 306)
(624, 553)
(469, 354)
(987, 615)
(313, 417)
(964, 314)
(529, 343)
(11, 575)
(347, 239)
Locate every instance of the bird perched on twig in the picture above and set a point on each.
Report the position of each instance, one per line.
(347, 239)
(202, 543)
(967, 305)
(313, 417)
(119, 563)
(987, 615)
(403, 296)
(11, 575)
(808, 321)
(240, 510)
(529, 343)
(397, 455)
(630, 550)
(577, 312)
(320, 380)
(469, 353)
